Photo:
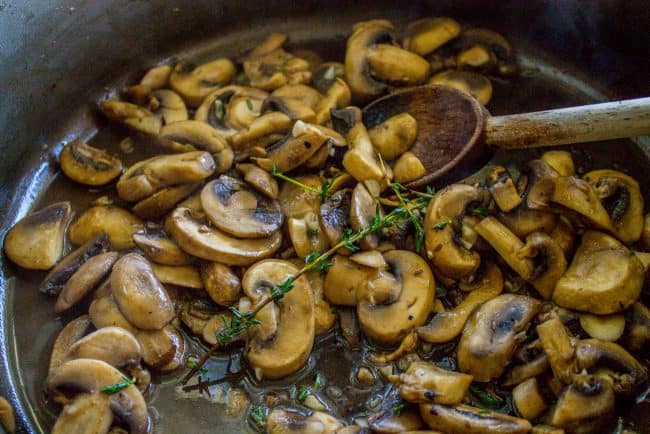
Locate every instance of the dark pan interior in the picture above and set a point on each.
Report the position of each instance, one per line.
(59, 58)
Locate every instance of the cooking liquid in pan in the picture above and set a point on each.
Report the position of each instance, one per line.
(175, 411)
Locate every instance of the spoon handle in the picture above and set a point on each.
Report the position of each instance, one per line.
(587, 123)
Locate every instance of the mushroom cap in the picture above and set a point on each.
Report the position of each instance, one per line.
(194, 83)
(87, 165)
(163, 201)
(489, 338)
(186, 276)
(424, 382)
(465, 419)
(390, 323)
(287, 349)
(215, 109)
(169, 106)
(294, 149)
(221, 283)
(71, 333)
(138, 293)
(90, 375)
(334, 215)
(36, 241)
(116, 222)
(104, 312)
(235, 208)
(210, 243)
(87, 413)
(604, 276)
(428, 34)
(161, 249)
(344, 280)
(113, 345)
(282, 421)
(446, 255)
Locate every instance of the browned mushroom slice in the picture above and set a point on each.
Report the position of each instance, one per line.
(585, 406)
(344, 280)
(87, 165)
(306, 236)
(148, 176)
(230, 109)
(87, 413)
(295, 108)
(163, 201)
(235, 208)
(390, 323)
(71, 333)
(445, 326)
(424, 382)
(365, 35)
(503, 189)
(338, 96)
(88, 376)
(469, 82)
(168, 105)
(394, 136)
(156, 77)
(281, 421)
(363, 209)
(160, 249)
(139, 294)
(464, 419)
(604, 327)
(521, 373)
(66, 267)
(260, 179)
(194, 237)
(194, 83)
(113, 345)
(548, 259)
(116, 222)
(428, 34)
(490, 337)
(561, 161)
(195, 313)
(523, 221)
(186, 276)
(275, 69)
(558, 348)
(161, 347)
(287, 349)
(296, 201)
(262, 132)
(360, 160)
(621, 196)
(397, 66)
(222, 285)
(528, 399)
(36, 241)
(84, 280)
(604, 277)
(104, 312)
(389, 421)
(443, 224)
(334, 215)
(132, 116)
(638, 333)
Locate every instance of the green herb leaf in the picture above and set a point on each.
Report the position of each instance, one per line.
(249, 104)
(114, 388)
(279, 291)
(318, 262)
(325, 189)
(219, 109)
(399, 406)
(318, 380)
(486, 398)
(441, 225)
(303, 393)
(191, 363)
(258, 415)
(348, 235)
(277, 174)
(441, 290)
(479, 211)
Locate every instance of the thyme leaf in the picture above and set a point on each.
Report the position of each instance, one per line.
(121, 385)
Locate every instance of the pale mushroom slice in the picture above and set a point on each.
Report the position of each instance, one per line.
(36, 241)
(490, 337)
(335, 216)
(194, 83)
(87, 413)
(88, 165)
(56, 279)
(221, 283)
(163, 201)
(113, 345)
(282, 421)
(168, 105)
(360, 160)
(84, 280)
(424, 382)
(132, 116)
(604, 277)
(408, 167)
(287, 349)
(71, 333)
(390, 323)
(90, 376)
(148, 176)
(621, 196)
(344, 280)
(160, 347)
(260, 179)
(138, 293)
(159, 248)
(116, 222)
(104, 312)
(561, 161)
(338, 96)
(231, 109)
(443, 225)
(186, 276)
(428, 34)
(275, 69)
(197, 239)
(394, 65)
(465, 419)
(236, 208)
(363, 209)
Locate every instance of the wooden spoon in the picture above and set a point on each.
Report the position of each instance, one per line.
(457, 136)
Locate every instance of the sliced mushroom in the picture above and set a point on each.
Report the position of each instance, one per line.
(286, 350)
(585, 406)
(360, 160)
(621, 197)
(262, 132)
(408, 168)
(645, 233)
(88, 376)
(296, 201)
(148, 176)
(186, 276)
(344, 280)
(87, 165)
(230, 109)
(7, 418)
(503, 189)
(188, 136)
(490, 336)
(395, 65)
(104, 312)
(116, 222)
(306, 236)
(428, 34)
(87, 413)
(276, 69)
(194, 83)
(363, 209)
(272, 42)
(549, 262)
(338, 96)
(604, 277)
(528, 399)
(326, 75)
(424, 382)
(465, 419)
(163, 201)
(195, 313)
(390, 421)
(113, 345)
(260, 179)
(561, 161)
(394, 136)
(216, 325)
(365, 35)
(390, 323)
(469, 82)
(156, 77)
(235, 208)
(445, 326)
(281, 421)
(132, 116)
(222, 285)
(520, 373)
(168, 105)
(84, 280)
(604, 327)
(558, 348)
(56, 279)
(197, 239)
(139, 294)
(564, 236)
(628, 374)
(159, 248)
(36, 241)
(300, 92)
(443, 223)
(638, 332)
(71, 333)
(160, 347)
(523, 221)
(334, 215)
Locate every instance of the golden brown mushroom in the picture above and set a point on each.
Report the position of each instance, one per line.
(194, 83)
(87, 165)
(116, 222)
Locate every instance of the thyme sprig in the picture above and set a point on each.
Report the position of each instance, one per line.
(241, 321)
(415, 220)
(117, 387)
(323, 192)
